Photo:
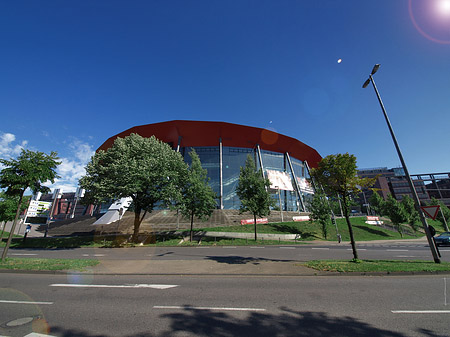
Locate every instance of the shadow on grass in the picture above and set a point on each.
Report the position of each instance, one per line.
(285, 322)
(372, 231)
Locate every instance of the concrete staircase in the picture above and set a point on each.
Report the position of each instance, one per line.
(157, 221)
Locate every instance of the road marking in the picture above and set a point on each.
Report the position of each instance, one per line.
(321, 248)
(202, 247)
(257, 247)
(25, 302)
(154, 286)
(288, 248)
(397, 250)
(35, 334)
(229, 247)
(357, 249)
(420, 311)
(96, 255)
(205, 308)
(19, 254)
(405, 256)
(444, 250)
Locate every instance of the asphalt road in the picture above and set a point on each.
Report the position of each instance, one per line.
(100, 305)
(306, 252)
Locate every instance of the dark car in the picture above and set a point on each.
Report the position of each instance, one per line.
(443, 239)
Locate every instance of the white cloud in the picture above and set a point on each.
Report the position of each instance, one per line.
(72, 169)
(8, 148)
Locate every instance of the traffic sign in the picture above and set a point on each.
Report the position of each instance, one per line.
(431, 211)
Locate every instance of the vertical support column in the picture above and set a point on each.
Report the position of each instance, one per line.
(297, 188)
(260, 160)
(179, 143)
(221, 171)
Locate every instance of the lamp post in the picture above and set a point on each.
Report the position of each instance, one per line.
(433, 249)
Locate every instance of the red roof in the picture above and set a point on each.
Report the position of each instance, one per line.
(197, 133)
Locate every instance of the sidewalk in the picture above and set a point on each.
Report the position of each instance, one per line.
(174, 267)
(231, 266)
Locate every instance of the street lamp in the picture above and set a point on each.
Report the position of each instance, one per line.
(433, 249)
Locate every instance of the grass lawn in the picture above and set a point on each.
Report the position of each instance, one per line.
(46, 264)
(377, 266)
(307, 230)
(313, 231)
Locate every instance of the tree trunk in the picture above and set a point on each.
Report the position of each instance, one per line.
(192, 226)
(3, 230)
(254, 218)
(350, 228)
(137, 224)
(5, 250)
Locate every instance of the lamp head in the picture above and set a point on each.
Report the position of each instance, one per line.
(366, 83)
(375, 69)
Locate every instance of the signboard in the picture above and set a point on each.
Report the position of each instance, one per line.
(279, 180)
(38, 209)
(252, 221)
(305, 185)
(431, 211)
(373, 220)
(301, 218)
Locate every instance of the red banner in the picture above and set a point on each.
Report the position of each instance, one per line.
(252, 221)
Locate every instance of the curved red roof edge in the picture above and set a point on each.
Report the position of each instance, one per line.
(200, 133)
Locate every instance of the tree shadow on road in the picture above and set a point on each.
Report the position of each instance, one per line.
(194, 322)
(236, 259)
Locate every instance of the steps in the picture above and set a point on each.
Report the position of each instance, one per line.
(156, 221)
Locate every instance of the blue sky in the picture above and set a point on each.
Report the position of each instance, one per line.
(73, 73)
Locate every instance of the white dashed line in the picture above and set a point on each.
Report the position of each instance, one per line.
(288, 248)
(18, 254)
(321, 248)
(397, 250)
(25, 302)
(420, 311)
(154, 286)
(257, 247)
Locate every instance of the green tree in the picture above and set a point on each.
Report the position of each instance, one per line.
(198, 197)
(338, 175)
(320, 211)
(30, 170)
(8, 208)
(445, 210)
(396, 212)
(377, 203)
(411, 212)
(252, 190)
(146, 170)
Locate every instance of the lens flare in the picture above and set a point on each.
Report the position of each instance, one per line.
(432, 22)
(443, 7)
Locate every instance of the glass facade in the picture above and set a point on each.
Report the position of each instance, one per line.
(233, 159)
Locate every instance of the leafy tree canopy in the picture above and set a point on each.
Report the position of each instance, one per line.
(396, 212)
(30, 170)
(146, 170)
(338, 175)
(198, 197)
(320, 211)
(377, 203)
(252, 190)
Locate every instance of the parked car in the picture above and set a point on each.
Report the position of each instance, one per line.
(443, 239)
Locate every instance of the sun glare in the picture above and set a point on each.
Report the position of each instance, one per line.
(443, 7)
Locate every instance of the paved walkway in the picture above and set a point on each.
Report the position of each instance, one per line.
(150, 267)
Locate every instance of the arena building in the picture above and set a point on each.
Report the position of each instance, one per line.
(223, 149)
